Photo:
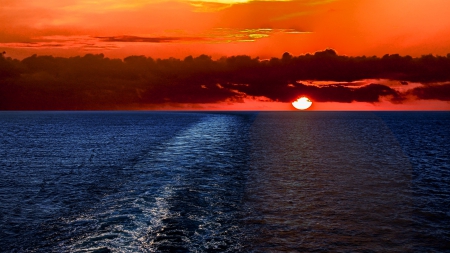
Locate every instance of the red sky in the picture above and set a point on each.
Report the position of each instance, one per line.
(265, 29)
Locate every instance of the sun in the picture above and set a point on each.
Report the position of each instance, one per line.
(302, 103)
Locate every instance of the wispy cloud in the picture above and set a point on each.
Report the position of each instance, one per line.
(63, 42)
(221, 35)
(217, 5)
(217, 35)
(126, 38)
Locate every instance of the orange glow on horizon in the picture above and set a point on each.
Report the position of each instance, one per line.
(259, 105)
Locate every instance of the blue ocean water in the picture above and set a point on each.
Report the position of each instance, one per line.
(224, 182)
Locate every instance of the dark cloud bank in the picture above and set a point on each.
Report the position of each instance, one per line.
(93, 82)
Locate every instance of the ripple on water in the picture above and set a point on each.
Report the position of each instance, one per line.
(226, 182)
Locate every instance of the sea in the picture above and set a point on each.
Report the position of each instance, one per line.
(302, 181)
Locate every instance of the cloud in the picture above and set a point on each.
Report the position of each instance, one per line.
(335, 93)
(63, 42)
(96, 82)
(125, 38)
(433, 91)
(218, 5)
(217, 35)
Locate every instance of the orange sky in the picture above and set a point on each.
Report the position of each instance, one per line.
(225, 27)
(178, 28)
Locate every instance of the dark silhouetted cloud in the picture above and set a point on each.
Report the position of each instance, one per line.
(96, 82)
(438, 92)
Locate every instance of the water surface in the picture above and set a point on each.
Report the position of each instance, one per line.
(224, 182)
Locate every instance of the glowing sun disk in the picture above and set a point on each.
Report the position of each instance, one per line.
(302, 103)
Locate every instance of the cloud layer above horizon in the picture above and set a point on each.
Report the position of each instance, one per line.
(94, 82)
